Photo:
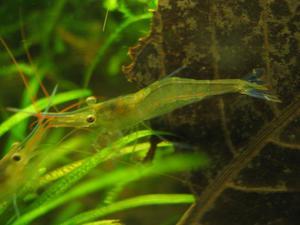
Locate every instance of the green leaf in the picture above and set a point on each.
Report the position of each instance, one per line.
(51, 200)
(108, 42)
(105, 222)
(144, 200)
(13, 69)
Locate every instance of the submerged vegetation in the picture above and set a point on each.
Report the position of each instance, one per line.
(77, 176)
(70, 158)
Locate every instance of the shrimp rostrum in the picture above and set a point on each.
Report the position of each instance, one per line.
(159, 98)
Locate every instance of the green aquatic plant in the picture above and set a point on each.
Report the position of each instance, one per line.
(155, 199)
(130, 18)
(70, 170)
(66, 188)
(41, 35)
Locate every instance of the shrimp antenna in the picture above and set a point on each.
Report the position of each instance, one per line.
(30, 59)
(23, 36)
(32, 98)
(178, 70)
(39, 125)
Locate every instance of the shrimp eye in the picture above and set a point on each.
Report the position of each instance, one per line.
(91, 100)
(90, 119)
(16, 157)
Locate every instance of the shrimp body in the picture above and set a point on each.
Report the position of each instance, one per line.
(157, 99)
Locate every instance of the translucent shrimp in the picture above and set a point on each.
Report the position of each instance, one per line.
(16, 166)
(159, 98)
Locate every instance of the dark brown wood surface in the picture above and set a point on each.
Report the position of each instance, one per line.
(254, 145)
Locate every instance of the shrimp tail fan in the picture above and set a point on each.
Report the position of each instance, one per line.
(256, 88)
(263, 95)
(255, 76)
